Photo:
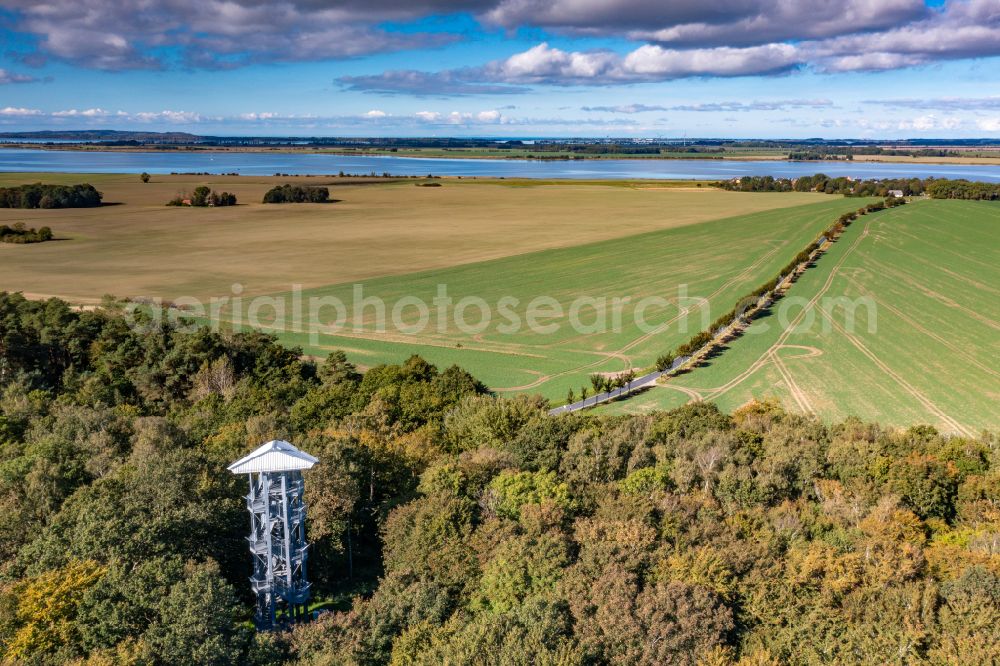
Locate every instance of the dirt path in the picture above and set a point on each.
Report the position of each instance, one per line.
(694, 394)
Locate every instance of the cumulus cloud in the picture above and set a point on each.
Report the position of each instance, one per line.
(98, 114)
(989, 124)
(764, 22)
(659, 63)
(489, 117)
(375, 113)
(544, 64)
(85, 113)
(675, 39)
(18, 112)
(963, 29)
(708, 22)
(172, 117)
(760, 39)
(131, 34)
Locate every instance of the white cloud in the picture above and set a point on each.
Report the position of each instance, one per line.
(375, 113)
(131, 34)
(650, 62)
(176, 117)
(489, 117)
(85, 113)
(989, 124)
(18, 112)
(492, 116)
(655, 61)
(264, 115)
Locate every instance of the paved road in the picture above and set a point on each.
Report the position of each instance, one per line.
(637, 383)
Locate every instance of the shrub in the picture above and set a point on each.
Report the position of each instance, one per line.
(20, 234)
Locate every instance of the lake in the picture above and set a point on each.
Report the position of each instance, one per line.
(266, 164)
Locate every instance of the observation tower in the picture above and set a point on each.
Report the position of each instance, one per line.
(277, 531)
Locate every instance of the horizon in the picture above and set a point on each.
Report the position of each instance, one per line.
(13, 136)
(890, 70)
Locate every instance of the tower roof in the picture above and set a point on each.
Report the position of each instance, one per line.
(275, 456)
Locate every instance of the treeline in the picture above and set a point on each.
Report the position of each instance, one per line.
(816, 155)
(19, 233)
(936, 188)
(204, 196)
(297, 194)
(39, 195)
(917, 152)
(480, 529)
(963, 189)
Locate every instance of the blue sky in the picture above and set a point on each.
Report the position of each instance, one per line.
(733, 68)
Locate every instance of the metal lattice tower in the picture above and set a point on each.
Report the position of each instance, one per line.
(277, 531)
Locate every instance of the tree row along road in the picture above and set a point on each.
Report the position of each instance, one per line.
(651, 378)
(637, 383)
(771, 355)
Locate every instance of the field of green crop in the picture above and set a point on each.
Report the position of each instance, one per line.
(716, 261)
(924, 280)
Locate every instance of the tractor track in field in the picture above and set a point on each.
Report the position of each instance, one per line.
(765, 357)
(944, 342)
(683, 312)
(902, 383)
(930, 293)
(801, 399)
(694, 394)
(620, 353)
(975, 284)
(897, 379)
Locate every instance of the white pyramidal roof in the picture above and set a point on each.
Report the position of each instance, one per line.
(275, 456)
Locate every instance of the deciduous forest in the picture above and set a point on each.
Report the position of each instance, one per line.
(452, 526)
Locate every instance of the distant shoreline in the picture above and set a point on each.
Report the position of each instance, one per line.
(481, 154)
(447, 154)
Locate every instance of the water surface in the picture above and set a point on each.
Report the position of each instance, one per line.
(266, 164)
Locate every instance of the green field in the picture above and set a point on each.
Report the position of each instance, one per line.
(932, 272)
(929, 268)
(719, 261)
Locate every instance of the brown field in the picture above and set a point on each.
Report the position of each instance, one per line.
(137, 246)
(970, 159)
